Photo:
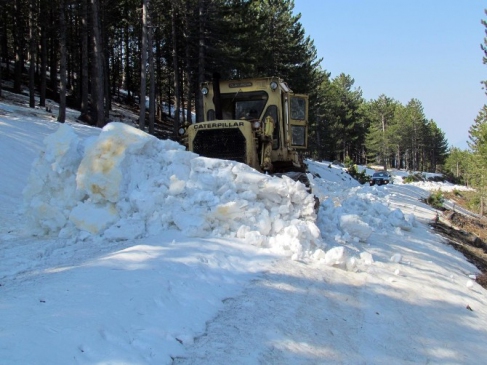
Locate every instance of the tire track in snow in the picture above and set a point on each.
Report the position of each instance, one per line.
(291, 315)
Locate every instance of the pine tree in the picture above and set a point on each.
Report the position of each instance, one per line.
(320, 115)
(345, 128)
(478, 144)
(436, 146)
(380, 113)
(456, 164)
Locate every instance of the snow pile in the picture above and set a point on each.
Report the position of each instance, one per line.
(331, 176)
(352, 215)
(125, 184)
(441, 186)
(51, 190)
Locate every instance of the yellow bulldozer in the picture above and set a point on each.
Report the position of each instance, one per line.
(259, 122)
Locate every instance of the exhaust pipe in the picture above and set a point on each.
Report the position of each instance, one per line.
(217, 100)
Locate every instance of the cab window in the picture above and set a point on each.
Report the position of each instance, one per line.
(243, 105)
(298, 108)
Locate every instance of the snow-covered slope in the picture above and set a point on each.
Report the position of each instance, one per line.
(118, 248)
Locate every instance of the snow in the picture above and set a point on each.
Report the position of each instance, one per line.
(441, 186)
(126, 184)
(119, 248)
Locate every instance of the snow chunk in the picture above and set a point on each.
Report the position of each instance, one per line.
(104, 171)
(51, 188)
(396, 219)
(397, 257)
(93, 218)
(367, 258)
(355, 227)
(337, 256)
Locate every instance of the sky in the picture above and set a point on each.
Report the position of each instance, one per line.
(405, 49)
(119, 248)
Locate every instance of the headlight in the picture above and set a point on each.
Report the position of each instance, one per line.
(181, 131)
(274, 85)
(256, 124)
(204, 90)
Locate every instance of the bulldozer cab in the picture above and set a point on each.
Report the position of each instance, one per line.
(260, 122)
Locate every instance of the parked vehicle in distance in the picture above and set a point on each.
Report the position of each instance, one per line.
(380, 178)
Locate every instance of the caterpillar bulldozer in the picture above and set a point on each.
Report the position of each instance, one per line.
(259, 122)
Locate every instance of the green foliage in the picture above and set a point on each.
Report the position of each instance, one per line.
(412, 178)
(477, 167)
(193, 39)
(409, 179)
(436, 199)
(457, 193)
(352, 170)
(400, 136)
(380, 114)
(456, 165)
(340, 131)
(474, 203)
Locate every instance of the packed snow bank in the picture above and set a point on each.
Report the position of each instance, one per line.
(126, 184)
(351, 215)
(441, 186)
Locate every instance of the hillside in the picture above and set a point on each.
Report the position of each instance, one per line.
(118, 248)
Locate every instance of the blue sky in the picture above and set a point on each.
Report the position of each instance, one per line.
(423, 49)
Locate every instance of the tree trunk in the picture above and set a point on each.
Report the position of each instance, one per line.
(62, 67)
(201, 60)
(384, 143)
(106, 83)
(177, 91)
(98, 79)
(152, 85)
(105, 61)
(481, 213)
(3, 30)
(84, 59)
(3, 42)
(32, 53)
(0, 71)
(128, 70)
(18, 46)
(143, 69)
(159, 84)
(188, 79)
(43, 86)
(482, 193)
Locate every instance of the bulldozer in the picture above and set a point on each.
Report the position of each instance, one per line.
(258, 121)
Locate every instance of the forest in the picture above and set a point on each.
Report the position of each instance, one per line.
(87, 54)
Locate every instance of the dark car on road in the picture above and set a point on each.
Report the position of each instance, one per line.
(380, 178)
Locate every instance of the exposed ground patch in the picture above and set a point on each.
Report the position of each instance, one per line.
(466, 235)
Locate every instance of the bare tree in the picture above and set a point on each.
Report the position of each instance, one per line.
(188, 74)
(32, 52)
(2, 29)
(62, 66)
(98, 96)
(177, 91)
(201, 57)
(84, 59)
(18, 38)
(152, 86)
(143, 68)
(43, 30)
